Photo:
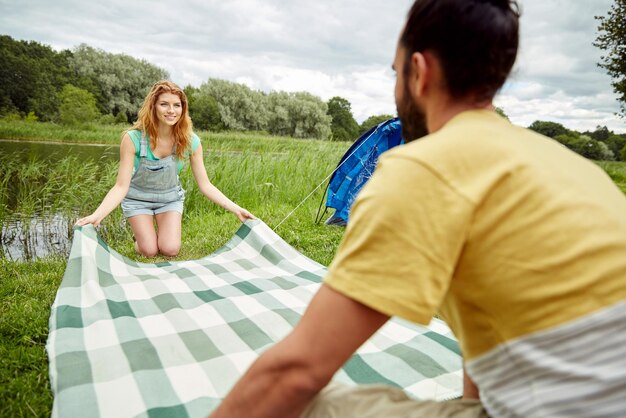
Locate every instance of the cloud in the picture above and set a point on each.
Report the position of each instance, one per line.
(329, 48)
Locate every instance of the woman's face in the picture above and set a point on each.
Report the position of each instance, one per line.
(169, 108)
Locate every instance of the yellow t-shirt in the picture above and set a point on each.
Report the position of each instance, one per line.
(519, 244)
(501, 231)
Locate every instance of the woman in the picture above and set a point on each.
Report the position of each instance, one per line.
(147, 185)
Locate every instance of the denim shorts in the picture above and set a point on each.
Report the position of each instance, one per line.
(132, 207)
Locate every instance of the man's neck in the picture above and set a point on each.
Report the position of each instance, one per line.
(445, 109)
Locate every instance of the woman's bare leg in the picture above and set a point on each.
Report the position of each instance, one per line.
(145, 235)
(169, 232)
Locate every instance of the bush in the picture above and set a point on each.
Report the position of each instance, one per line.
(31, 117)
(107, 119)
(121, 118)
(586, 146)
(615, 144)
(373, 121)
(204, 112)
(77, 106)
(12, 116)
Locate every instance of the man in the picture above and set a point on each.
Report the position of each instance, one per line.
(518, 243)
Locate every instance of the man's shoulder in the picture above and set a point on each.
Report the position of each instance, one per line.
(473, 138)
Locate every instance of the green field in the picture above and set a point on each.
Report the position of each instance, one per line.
(270, 176)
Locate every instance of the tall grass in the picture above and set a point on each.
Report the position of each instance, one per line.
(617, 171)
(111, 134)
(269, 176)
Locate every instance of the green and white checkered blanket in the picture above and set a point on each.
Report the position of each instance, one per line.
(170, 339)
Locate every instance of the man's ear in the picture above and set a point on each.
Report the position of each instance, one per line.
(420, 73)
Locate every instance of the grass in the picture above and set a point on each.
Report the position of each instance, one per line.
(617, 171)
(268, 175)
(26, 292)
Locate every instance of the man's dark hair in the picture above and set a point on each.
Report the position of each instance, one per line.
(475, 40)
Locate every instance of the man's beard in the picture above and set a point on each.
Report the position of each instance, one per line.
(412, 117)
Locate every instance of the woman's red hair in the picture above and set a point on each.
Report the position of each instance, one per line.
(147, 119)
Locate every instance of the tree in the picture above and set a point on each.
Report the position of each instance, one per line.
(118, 81)
(616, 143)
(77, 106)
(203, 110)
(551, 129)
(612, 40)
(601, 133)
(343, 125)
(32, 74)
(240, 108)
(299, 115)
(372, 121)
(309, 116)
(586, 146)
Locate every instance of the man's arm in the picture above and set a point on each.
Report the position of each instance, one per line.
(287, 377)
(470, 390)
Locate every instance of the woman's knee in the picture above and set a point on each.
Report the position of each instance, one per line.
(147, 249)
(169, 249)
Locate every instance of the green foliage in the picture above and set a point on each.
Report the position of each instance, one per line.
(31, 75)
(31, 117)
(617, 172)
(622, 154)
(240, 107)
(601, 133)
(77, 106)
(586, 146)
(12, 117)
(221, 104)
(26, 290)
(612, 40)
(107, 119)
(343, 126)
(373, 121)
(121, 117)
(204, 111)
(118, 82)
(550, 129)
(616, 143)
(299, 115)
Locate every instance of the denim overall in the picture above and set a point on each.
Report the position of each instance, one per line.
(155, 181)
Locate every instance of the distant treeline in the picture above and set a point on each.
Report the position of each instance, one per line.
(601, 144)
(86, 85)
(90, 85)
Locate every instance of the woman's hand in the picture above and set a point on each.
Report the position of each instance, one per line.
(91, 219)
(242, 214)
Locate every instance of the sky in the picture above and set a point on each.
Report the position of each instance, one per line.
(328, 48)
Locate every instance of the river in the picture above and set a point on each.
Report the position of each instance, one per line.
(27, 236)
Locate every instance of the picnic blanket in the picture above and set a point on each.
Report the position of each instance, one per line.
(130, 339)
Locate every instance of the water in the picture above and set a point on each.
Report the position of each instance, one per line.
(52, 151)
(25, 237)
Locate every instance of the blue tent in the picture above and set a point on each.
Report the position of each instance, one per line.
(356, 167)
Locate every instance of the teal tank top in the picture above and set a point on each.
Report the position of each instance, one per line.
(135, 136)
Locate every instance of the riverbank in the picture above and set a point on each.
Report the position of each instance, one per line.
(96, 134)
(270, 176)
